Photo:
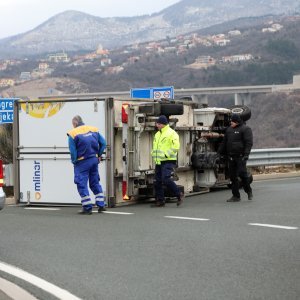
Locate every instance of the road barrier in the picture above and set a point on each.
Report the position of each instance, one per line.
(273, 157)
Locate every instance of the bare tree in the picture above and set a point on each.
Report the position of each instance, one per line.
(6, 143)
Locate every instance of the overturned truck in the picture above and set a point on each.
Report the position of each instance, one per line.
(43, 173)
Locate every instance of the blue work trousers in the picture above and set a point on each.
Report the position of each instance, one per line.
(87, 171)
(163, 174)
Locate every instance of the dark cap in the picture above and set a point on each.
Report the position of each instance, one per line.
(162, 120)
(236, 118)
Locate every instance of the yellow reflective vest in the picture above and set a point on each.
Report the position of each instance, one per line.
(165, 145)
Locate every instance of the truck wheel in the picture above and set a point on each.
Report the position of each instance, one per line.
(171, 109)
(242, 110)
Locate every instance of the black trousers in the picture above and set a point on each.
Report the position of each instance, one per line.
(163, 178)
(237, 168)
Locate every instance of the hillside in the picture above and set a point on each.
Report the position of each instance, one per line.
(275, 59)
(275, 119)
(73, 30)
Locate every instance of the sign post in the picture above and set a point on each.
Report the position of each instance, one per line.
(6, 110)
(166, 92)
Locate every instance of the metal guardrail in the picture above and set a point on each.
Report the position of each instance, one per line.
(273, 157)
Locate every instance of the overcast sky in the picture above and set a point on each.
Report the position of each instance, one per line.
(18, 16)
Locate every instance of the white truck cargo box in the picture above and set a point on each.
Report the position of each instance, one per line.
(43, 172)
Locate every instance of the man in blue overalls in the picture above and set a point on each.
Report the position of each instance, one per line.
(86, 146)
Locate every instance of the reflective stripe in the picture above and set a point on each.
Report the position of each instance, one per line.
(100, 195)
(85, 197)
(100, 203)
(169, 152)
(155, 152)
(86, 203)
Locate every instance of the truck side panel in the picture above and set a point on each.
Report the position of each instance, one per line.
(43, 159)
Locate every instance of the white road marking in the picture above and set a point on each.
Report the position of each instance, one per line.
(186, 218)
(40, 283)
(42, 208)
(116, 212)
(14, 291)
(273, 226)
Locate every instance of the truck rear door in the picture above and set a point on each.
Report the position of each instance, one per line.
(43, 170)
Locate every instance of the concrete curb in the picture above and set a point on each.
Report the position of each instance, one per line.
(276, 175)
(10, 201)
(10, 291)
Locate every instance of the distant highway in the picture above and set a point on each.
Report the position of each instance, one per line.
(242, 93)
(206, 249)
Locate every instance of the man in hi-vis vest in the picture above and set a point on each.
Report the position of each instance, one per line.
(86, 146)
(165, 149)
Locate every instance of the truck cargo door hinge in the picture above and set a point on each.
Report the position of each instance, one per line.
(95, 105)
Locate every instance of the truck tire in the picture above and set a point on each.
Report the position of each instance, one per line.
(242, 110)
(171, 109)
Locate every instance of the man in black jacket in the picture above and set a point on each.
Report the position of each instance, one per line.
(236, 145)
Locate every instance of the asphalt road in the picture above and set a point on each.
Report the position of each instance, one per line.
(223, 251)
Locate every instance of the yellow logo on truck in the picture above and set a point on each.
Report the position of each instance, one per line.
(42, 110)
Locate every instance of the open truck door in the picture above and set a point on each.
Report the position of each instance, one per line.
(42, 165)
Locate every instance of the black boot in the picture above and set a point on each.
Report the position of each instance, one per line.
(101, 209)
(158, 204)
(180, 199)
(234, 199)
(250, 195)
(85, 212)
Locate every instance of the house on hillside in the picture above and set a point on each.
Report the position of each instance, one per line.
(4, 82)
(114, 70)
(58, 57)
(237, 58)
(221, 42)
(234, 33)
(203, 62)
(273, 28)
(101, 51)
(25, 76)
(105, 62)
(43, 66)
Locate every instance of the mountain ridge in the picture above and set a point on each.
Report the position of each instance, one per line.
(73, 30)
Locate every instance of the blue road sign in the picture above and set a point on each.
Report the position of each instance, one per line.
(6, 104)
(166, 92)
(6, 117)
(6, 110)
